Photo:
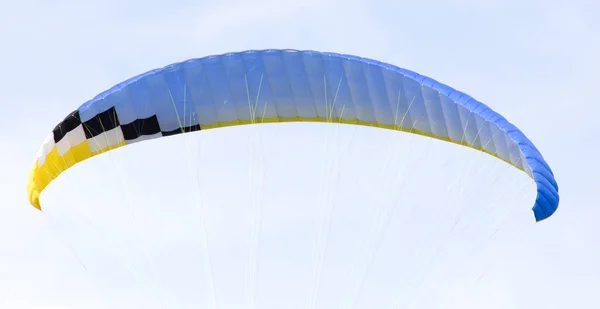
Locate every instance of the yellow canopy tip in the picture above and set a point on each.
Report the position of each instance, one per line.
(34, 198)
(33, 191)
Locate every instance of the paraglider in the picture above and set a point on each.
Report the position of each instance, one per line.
(284, 86)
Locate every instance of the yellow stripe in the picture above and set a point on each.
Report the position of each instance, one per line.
(108, 148)
(220, 124)
(54, 164)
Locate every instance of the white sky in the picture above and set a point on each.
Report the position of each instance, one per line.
(536, 62)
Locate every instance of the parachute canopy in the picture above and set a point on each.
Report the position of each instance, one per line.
(284, 86)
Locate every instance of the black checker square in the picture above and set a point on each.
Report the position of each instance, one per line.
(140, 127)
(70, 123)
(182, 130)
(103, 122)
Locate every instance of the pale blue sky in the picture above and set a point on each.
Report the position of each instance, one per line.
(536, 62)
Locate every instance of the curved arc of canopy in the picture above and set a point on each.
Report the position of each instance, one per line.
(260, 86)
